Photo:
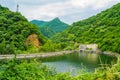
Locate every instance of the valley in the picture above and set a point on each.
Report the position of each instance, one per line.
(55, 50)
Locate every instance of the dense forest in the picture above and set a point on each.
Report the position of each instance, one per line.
(102, 29)
(14, 31)
(17, 34)
(50, 28)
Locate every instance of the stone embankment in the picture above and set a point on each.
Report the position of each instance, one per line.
(111, 54)
(35, 55)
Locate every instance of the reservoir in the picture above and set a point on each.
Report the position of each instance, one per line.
(75, 62)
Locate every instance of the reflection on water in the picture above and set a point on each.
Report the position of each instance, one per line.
(88, 58)
(76, 61)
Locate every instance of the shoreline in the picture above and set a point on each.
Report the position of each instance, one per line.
(48, 54)
(111, 54)
(34, 55)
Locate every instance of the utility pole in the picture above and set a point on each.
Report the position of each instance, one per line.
(17, 10)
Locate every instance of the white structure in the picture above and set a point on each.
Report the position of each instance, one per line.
(88, 47)
(93, 47)
(82, 47)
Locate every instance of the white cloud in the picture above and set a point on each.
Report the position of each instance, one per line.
(57, 9)
(96, 4)
(48, 9)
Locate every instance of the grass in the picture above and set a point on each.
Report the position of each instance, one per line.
(33, 70)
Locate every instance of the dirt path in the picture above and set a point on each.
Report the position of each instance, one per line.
(35, 55)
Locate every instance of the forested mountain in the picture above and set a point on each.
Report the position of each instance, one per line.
(51, 27)
(16, 32)
(103, 29)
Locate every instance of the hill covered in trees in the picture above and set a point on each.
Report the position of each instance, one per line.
(51, 27)
(102, 29)
(15, 31)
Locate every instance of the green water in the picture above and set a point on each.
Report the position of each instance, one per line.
(75, 62)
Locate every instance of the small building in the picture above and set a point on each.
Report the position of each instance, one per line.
(88, 47)
(93, 47)
(82, 47)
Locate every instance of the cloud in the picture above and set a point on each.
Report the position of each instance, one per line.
(96, 4)
(49, 10)
(61, 8)
(68, 10)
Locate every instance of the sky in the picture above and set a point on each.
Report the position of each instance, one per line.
(68, 11)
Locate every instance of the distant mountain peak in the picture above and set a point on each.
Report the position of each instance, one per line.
(49, 28)
(56, 19)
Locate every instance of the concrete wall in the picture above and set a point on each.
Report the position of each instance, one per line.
(89, 46)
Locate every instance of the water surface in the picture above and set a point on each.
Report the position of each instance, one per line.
(75, 62)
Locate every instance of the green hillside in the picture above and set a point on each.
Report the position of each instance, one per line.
(51, 27)
(103, 29)
(14, 30)
(37, 22)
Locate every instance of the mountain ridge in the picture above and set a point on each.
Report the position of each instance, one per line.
(49, 28)
(102, 29)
